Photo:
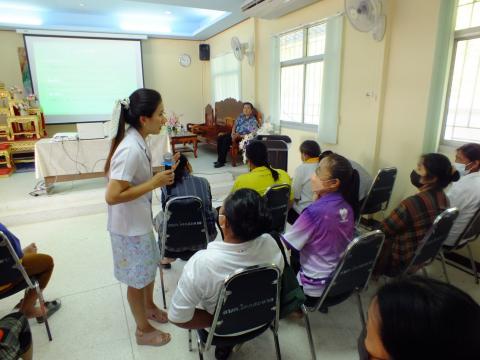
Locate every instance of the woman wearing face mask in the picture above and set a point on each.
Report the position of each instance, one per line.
(409, 222)
(465, 194)
(326, 227)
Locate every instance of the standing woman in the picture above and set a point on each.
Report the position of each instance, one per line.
(129, 197)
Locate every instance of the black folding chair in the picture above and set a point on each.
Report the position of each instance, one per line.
(13, 272)
(351, 275)
(430, 246)
(471, 233)
(277, 149)
(378, 196)
(184, 228)
(278, 197)
(242, 314)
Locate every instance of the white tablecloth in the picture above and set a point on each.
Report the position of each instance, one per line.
(54, 158)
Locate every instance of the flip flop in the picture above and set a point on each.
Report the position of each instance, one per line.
(52, 307)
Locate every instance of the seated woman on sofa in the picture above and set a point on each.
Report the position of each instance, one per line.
(245, 124)
(325, 228)
(186, 184)
(406, 226)
(38, 265)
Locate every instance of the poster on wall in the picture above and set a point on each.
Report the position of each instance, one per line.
(27, 80)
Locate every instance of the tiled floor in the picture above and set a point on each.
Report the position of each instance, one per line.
(95, 321)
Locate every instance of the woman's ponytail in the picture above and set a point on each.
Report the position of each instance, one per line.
(123, 113)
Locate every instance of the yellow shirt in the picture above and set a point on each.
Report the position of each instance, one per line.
(260, 179)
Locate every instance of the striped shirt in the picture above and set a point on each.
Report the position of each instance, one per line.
(193, 186)
(408, 223)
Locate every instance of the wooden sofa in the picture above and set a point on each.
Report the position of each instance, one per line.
(219, 122)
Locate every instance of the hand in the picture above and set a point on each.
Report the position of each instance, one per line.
(176, 159)
(162, 178)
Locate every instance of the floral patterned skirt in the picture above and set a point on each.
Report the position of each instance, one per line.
(135, 259)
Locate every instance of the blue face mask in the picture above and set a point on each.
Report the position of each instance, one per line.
(461, 168)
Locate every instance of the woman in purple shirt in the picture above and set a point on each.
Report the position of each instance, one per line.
(325, 228)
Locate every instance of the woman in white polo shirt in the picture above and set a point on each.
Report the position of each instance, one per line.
(129, 198)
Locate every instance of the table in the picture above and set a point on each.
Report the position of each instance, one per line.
(184, 138)
(57, 161)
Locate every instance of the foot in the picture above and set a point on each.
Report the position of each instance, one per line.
(35, 312)
(219, 165)
(155, 314)
(30, 249)
(153, 338)
(222, 353)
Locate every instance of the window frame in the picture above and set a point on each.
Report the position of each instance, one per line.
(459, 35)
(304, 60)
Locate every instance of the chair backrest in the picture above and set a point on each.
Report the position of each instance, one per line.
(380, 192)
(432, 242)
(278, 197)
(356, 265)
(239, 309)
(472, 230)
(209, 116)
(184, 224)
(228, 107)
(10, 265)
(277, 149)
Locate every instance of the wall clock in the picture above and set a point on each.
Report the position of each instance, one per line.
(185, 60)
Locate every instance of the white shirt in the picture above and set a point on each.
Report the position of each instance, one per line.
(205, 273)
(301, 186)
(464, 195)
(131, 162)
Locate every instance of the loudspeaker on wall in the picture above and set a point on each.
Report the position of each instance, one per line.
(204, 50)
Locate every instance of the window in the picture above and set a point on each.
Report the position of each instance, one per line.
(226, 77)
(462, 117)
(301, 70)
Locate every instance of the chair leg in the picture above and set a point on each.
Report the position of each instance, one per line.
(277, 345)
(472, 260)
(163, 287)
(309, 333)
(44, 310)
(360, 308)
(444, 266)
(199, 347)
(424, 271)
(189, 340)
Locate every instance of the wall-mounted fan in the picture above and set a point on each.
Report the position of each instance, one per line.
(367, 16)
(240, 49)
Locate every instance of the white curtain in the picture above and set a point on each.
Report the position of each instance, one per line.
(226, 77)
(275, 83)
(330, 104)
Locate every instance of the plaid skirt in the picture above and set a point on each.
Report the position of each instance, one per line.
(15, 336)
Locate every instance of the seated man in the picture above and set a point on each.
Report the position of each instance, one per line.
(245, 124)
(244, 220)
(38, 265)
(15, 337)
(186, 184)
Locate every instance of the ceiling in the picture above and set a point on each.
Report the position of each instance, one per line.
(179, 19)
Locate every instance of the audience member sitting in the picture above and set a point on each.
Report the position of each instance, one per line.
(38, 265)
(245, 124)
(244, 219)
(465, 194)
(417, 318)
(406, 226)
(301, 187)
(185, 184)
(366, 179)
(15, 337)
(261, 175)
(326, 227)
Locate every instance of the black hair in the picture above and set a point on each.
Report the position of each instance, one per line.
(180, 171)
(249, 104)
(310, 148)
(325, 154)
(246, 212)
(143, 102)
(471, 151)
(439, 166)
(258, 156)
(340, 168)
(423, 318)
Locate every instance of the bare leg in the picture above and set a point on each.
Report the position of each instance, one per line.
(137, 305)
(28, 355)
(151, 310)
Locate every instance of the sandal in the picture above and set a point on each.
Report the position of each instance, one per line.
(157, 315)
(51, 307)
(154, 338)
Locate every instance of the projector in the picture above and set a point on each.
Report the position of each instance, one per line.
(65, 136)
